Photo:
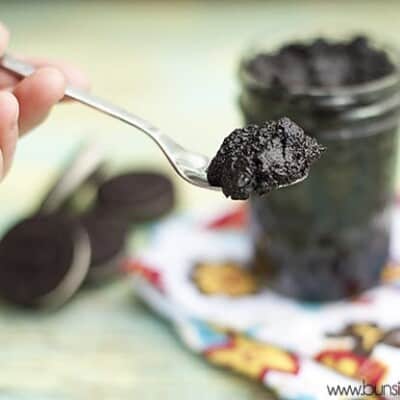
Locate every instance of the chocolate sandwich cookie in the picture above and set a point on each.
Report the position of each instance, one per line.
(82, 173)
(107, 237)
(137, 196)
(43, 261)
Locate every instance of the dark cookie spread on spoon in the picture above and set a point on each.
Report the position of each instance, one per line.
(260, 158)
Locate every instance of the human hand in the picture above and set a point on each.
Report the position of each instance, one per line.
(25, 103)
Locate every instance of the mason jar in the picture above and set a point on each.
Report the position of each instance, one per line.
(327, 238)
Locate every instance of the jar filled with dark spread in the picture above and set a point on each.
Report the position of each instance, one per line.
(328, 237)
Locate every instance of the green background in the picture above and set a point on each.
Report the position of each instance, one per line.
(174, 63)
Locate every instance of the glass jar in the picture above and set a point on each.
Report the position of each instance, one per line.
(328, 237)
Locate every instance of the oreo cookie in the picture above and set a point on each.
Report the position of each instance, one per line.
(43, 261)
(137, 196)
(107, 237)
(83, 171)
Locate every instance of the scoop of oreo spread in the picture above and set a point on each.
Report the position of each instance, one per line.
(260, 158)
(321, 63)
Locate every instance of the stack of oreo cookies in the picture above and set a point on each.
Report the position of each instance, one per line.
(122, 202)
(47, 257)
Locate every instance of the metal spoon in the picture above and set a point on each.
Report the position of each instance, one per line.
(190, 166)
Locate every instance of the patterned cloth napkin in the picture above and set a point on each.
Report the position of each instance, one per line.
(195, 274)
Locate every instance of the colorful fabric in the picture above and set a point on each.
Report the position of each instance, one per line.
(195, 274)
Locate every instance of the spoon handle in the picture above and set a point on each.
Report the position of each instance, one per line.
(24, 69)
(188, 167)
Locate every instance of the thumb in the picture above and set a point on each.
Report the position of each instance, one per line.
(9, 112)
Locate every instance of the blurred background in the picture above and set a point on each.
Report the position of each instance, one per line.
(175, 64)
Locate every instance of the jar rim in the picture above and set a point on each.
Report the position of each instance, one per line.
(376, 85)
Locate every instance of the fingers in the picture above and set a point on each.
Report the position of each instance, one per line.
(73, 75)
(7, 80)
(37, 94)
(26, 103)
(8, 130)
